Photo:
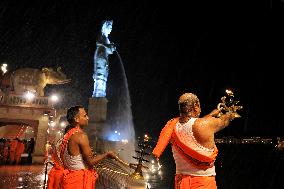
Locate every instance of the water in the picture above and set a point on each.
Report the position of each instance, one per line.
(237, 167)
(119, 105)
(247, 166)
(119, 113)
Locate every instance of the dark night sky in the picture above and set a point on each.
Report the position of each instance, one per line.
(167, 49)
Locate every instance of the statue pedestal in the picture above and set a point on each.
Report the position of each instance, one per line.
(97, 112)
(97, 109)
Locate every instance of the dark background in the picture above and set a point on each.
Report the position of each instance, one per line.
(167, 48)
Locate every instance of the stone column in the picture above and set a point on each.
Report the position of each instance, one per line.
(38, 155)
(97, 111)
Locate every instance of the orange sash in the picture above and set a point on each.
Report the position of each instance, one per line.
(165, 137)
(66, 137)
(168, 133)
(198, 160)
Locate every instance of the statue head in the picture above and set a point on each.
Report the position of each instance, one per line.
(106, 27)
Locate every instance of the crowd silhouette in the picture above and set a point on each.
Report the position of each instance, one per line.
(16, 151)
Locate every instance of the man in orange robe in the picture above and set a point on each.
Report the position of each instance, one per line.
(56, 172)
(6, 151)
(76, 170)
(193, 145)
(13, 147)
(20, 149)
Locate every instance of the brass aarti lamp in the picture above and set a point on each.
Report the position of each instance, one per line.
(229, 104)
(137, 174)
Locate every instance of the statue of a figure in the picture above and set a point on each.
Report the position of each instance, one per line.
(101, 62)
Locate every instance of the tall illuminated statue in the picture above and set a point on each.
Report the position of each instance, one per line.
(101, 62)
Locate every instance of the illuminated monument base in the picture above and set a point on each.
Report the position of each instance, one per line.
(97, 111)
(113, 174)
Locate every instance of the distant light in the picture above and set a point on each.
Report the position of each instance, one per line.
(147, 176)
(52, 124)
(112, 137)
(29, 95)
(62, 124)
(146, 137)
(54, 98)
(115, 131)
(159, 166)
(229, 92)
(4, 68)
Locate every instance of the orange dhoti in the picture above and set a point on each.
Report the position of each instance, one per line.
(5, 154)
(194, 182)
(13, 148)
(81, 179)
(19, 151)
(54, 178)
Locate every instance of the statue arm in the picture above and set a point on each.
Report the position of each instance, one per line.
(110, 48)
(104, 42)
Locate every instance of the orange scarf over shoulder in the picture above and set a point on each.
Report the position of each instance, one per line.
(168, 134)
(165, 137)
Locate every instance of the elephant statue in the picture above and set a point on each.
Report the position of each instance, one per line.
(34, 80)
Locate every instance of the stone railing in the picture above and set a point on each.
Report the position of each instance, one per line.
(117, 175)
(251, 140)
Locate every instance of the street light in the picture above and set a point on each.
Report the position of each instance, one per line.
(54, 98)
(4, 68)
(52, 124)
(63, 124)
(29, 95)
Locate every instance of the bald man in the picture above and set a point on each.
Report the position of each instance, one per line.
(192, 142)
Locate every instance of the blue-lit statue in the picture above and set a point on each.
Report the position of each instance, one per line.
(101, 62)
